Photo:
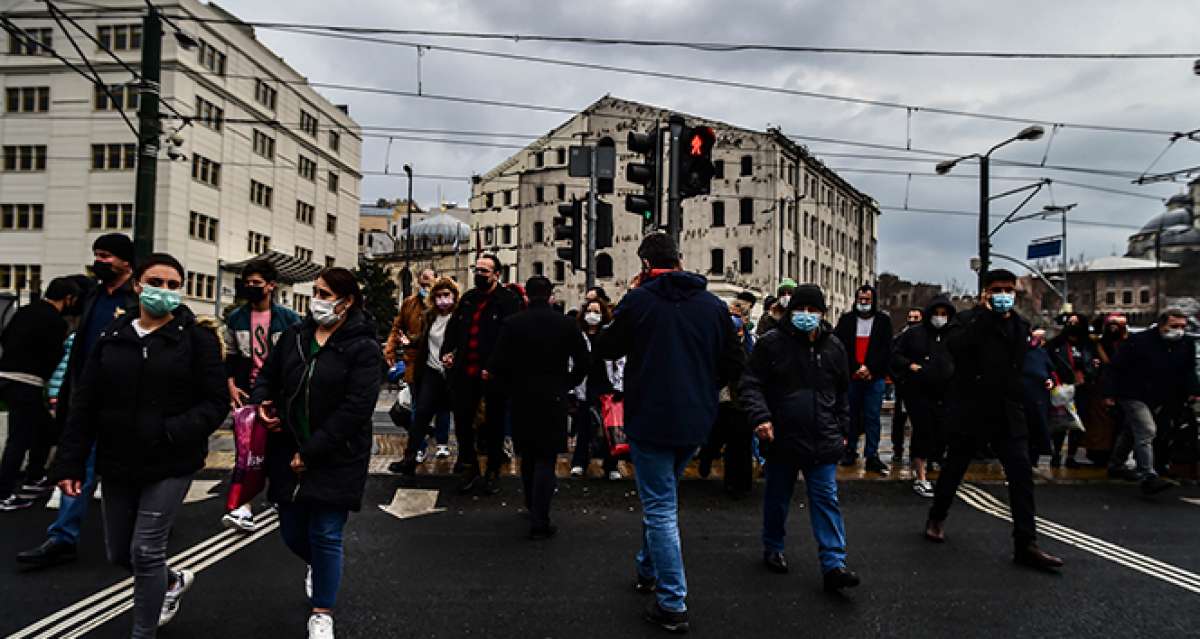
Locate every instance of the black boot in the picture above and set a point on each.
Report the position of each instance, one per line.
(840, 578)
(51, 553)
(675, 622)
(775, 562)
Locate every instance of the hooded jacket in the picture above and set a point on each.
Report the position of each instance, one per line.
(344, 379)
(239, 343)
(879, 347)
(800, 386)
(926, 346)
(147, 403)
(1153, 370)
(681, 350)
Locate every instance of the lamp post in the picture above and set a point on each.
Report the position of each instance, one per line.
(1027, 134)
(1051, 209)
(408, 248)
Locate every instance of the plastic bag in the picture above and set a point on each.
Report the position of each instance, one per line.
(1064, 416)
(612, 417)
(250, 441)
(1062, 395)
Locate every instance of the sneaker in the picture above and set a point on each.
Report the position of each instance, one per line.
(614, 475)
(170, 606)
(577, 471)
(35, 489)
(239, 520)
(421, 457)
(320, 626)
(674, 622)
(308, 583)
(443, 452)
(15, 502)
(923, 488)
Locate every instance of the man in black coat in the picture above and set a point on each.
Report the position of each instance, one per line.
(989, 344)
(866, 333)
(470, 338)
(540, 357)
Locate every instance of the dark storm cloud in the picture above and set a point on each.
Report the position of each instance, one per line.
(1152, 94)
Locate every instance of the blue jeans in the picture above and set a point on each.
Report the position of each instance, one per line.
(866, 402)
(658, 469)
(73, 510)
(827, 527)
(314, 534)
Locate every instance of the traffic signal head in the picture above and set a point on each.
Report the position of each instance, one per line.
(644, 173)
(569, 227)
(696, 169)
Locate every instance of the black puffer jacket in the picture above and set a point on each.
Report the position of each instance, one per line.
(149, 404)
(800, 387)
(926, 346)
(341, 399)
(987, 392)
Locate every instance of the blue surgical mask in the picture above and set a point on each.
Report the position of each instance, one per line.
(159, 301)
(806, 322)
(1003, 302)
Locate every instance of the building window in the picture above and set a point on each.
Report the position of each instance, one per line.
(308, 123)
(307, 168)
(110, 217)
(539, 159)
(539, 232)
(747, 165)
(260, 194)
(206, 171)
(716, 261)
(335, 140)
(305, 212)
(489, 236)
(304, 254)
(604, 265)
(1127, 297)
(114, 157)
(123, 97)
(330, 223)
(201, 286)
(27, 99)
(506, 234)
(718, 214)
(560, 156)
(265, 94)
(719, 169)
(19, 277)
(333, 182)
(202, 227)
(1110, 298)
(539, 195)
(1144, 296)
(21, 217)
(209, 114)
(257, 243)
(211, 59)
(746, 259)
(28, 45)
(330, 261)
(120, 37)
(25, 157)
(508, 198)
(561, 192)
(539, 268)
(489, 200)
(300, 303)
(264, 145)
(560, 270)
(746, 211)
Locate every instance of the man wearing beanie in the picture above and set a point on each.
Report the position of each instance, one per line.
(773, 310)
(114, 297)
(866, 332)
(795, 392)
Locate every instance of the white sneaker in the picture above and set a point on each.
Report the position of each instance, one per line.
(170, 607)
(443, 452)
(239, 520)
(421, 457)
(308, 583)
(320, 626)
(614, 475)
(577, 471)
(923, 488)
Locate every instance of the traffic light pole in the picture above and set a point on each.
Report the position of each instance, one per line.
(149, 130)
(590, 257)
(674, 206)
(985, 240)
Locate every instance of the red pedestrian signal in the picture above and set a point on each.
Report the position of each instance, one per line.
(696, 169)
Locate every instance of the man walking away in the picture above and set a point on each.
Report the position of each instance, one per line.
(1153, 377)
(989, 344)
(539, 358)
(681, 350)
(867, 334)
(32, 344)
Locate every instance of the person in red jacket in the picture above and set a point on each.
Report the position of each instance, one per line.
(867, 333)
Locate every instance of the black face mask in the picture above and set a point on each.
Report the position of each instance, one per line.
(254, 294)
(483, 282)
(104, 271)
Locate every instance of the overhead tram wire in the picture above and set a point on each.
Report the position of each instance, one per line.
(975, 215)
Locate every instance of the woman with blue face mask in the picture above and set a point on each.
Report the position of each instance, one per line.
(153, 390)
(794, 391)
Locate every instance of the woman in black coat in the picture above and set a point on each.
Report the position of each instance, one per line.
(794, 390)
(152, 392)
(317, 392)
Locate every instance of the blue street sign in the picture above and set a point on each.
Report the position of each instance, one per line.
(1044, 248)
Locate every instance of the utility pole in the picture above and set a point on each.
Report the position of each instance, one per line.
(590, 272)
(674, 205)
(149, 130)
(409, 239)
(985, 240)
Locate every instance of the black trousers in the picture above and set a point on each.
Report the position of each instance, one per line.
(928, 413)
(1013, 452)
(588, 436)
(430, 397)
(467, 393)
(539, 482)
(900, 417)
(733, 434)
(30, 433)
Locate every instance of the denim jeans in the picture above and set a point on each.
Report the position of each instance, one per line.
(658, 469)
(314, 534)
(866, 402)
(73, 510)
(1142, 426)
(823, 511)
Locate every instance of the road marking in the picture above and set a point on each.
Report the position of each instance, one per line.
(201, 490)
(412, 502)
(1190, 500)
(1174, 575)
(216, 547)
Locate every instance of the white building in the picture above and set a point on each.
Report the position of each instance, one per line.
(268, 164)
(775, 212)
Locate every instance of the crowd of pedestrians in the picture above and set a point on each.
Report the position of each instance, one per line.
(129, 384)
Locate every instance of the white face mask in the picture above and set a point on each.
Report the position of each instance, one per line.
(863, 308)
(322, 312)
(1173, 334)
(939, 322)
(784, 300)
(593, 319)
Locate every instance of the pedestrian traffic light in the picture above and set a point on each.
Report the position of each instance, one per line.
(646, 174)
(696, 169)
(604, 225)
(569, 227)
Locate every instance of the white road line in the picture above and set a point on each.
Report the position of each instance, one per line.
(1173, 575)
(99, 598)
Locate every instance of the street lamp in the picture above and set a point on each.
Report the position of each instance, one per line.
(1049, 210)
(1029, 133)
(409, 239)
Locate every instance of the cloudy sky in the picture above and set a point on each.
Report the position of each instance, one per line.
(1149, 94)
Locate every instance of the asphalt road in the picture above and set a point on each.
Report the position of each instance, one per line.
(466, 570)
